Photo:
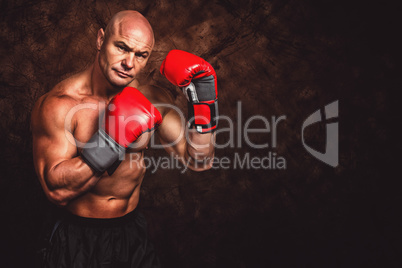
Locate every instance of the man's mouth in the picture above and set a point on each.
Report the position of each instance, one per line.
(123, 74)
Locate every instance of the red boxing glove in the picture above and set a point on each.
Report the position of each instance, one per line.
(197, 78)
(128, 115)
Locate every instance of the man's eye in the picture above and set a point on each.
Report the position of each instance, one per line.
(142, 56)
(121, 48)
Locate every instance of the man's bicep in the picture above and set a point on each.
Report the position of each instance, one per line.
(52, 143)
(172, 133)
(52, 150)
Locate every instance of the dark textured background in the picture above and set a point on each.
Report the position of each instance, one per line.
(279, 58)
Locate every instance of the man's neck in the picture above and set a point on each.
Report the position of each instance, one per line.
(99, 84)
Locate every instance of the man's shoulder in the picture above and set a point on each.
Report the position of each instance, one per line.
(64, 95)
(50, 109)
(56, 100)
(156, 95)
(54, 105)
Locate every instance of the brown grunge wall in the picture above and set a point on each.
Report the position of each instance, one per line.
(275, 57)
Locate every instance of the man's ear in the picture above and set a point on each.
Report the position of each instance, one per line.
(100, 38)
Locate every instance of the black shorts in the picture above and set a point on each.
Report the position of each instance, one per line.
(75, 241)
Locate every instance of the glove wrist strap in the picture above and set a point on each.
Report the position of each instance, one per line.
(102, 153)
(203, 116)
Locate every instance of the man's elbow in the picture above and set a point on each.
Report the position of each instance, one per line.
(200, 168)
(58, 198)
(201, 163)
(54, 192)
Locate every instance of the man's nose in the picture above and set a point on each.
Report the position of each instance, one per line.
(128, 61)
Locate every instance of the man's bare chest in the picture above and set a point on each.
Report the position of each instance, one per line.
(87, 121)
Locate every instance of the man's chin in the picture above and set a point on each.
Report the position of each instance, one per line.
(119, 84)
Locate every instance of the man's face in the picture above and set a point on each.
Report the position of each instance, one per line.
(124, 52)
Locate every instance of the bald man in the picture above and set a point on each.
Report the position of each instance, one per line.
(88, 130)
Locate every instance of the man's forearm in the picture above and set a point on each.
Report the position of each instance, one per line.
(69, 179)
(200, 150)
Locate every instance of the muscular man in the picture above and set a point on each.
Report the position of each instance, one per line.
(89, 128)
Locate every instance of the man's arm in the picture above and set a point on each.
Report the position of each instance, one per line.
(197, 79)
(194, 149)
(62, 174)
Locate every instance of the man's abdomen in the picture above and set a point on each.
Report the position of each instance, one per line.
(113, 196)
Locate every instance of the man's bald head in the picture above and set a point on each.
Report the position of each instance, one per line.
(124, 47)
(130, 22)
